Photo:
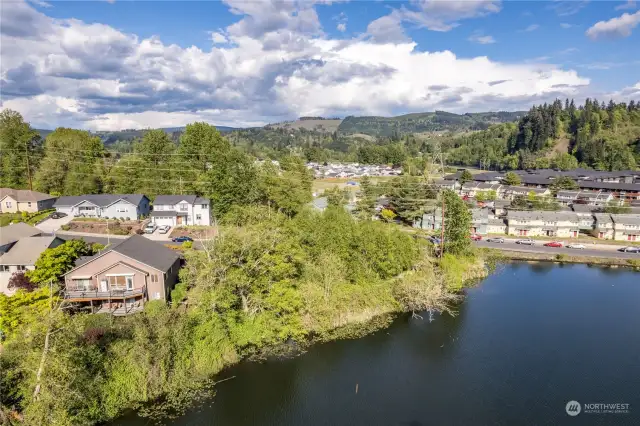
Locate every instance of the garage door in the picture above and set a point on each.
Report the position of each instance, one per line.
(66, 210)
(163, 221)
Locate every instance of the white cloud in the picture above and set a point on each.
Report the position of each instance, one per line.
(567, 8)
(218, 38)
(630, 4)
(71, 73)
(621, 26)
(342, 27)
(480, 38)
(531, 27)
(566, 25)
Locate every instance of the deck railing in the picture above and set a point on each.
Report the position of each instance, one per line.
(71, 293)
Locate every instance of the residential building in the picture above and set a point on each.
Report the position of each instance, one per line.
(496, 226)
(626, 227)
(181, 210)
(126, 206)
(567, 197)
(543, 223)
(603, 227)
(10, 234)
(122, 278)
(431, 220)
(22, 200)
(510, 192)
(22, 257)
(594, 198)
(479, 221)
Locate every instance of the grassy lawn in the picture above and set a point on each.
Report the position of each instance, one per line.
(7, 218)
(320, 185)
(32, 218)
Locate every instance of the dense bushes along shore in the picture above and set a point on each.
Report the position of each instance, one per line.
(266, 280)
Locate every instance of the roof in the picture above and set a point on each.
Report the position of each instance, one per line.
(163, 213)
(479, 214)
(496, 221)
(175, 199)
(613, 186)
(586, 208)
(143, 250)
(320, 203)
(603, 218)
(548, 216)
(27, 250)
(12, 233)
(627, 219)
(100, 200)
(24, 195)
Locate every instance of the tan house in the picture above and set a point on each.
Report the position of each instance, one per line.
(22, 200)
(496, 225)
(543, 223)
(122, 278)
(626, 227)
(603, 227)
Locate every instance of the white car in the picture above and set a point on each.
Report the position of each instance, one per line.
(526, 241)
(575, 246)
(163, 229)
(150, 228)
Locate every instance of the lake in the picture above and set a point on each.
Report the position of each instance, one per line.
(525, 342)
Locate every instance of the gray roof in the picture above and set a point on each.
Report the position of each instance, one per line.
(548, 216)
(146, 251)
(603, 218)
(478, 215)
(175, 199)
(12, 233)
(100, 200)
(627, 219)
(496, 221)
(24, 195)
(320, 203)
(27, 250)
(586, 208)
(164, 213)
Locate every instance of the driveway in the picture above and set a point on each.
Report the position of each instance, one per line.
(157, 236)
(52, 225)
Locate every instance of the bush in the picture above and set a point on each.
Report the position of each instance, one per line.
(187, 245)
(561, 257)
(19, 281)
(121, 219)
(65, 227)
(139, 231)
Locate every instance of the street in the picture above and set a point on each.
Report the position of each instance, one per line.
(593, 251)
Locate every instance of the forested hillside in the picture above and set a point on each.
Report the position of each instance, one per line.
(563, 135)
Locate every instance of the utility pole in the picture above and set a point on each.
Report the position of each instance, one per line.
(26, 152)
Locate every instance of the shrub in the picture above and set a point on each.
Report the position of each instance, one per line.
(187, 245)
(139, 231)
(121, 219)
(19, 281)
(65, 227)
(561, 257)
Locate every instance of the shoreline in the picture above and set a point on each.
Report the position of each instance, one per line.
(514, 255)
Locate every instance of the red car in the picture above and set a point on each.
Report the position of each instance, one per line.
(476, 237)
(553, 244)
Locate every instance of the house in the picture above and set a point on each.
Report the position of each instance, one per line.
(431, 220)
(603, 226)
(510, 192)
(496, 226)
(10, 234)
(479, 221)
(22, 257)
(126, 206)
(626, 227)
(22, 200)
(319, 204)
(594, 198)
(543, 223)
(177, 210)
(567, 197)
(121, 279)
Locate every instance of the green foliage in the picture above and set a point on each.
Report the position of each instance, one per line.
(457, 223)
(388, 215)
(614, 207)
(23, 309)
(366, 206)
(563, 183)
(511, 179)
(17, 141)
(409, 197)
(288, 189)
(465, 177)
(55, 262)
(565, 162)
(187, 245)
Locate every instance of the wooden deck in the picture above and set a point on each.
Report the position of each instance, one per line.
(88, 295)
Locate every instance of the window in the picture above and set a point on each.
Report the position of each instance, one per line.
(129, 282)
(8, 204)
(122, 209)
(29, 204)
(154, 278)
(198, 216)
(205, 206)
(21, 268)
(120, 282)
(83, 284)
(183, 207)
(4, 268)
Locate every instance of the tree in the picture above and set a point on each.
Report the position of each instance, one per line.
(20, 281)
(563, 183)
(511, 179)
(55, 262)
(366, 207)
(288, 188)
(481, 196)
(409, 196)
(465, 177)
(614, 207)
(336, 196)
(72, 163)
(457, 223)
(388, 215)
(565, 162)
(19, 146)
(201, 147)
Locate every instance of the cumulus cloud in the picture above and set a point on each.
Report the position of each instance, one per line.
(480, 38)
(622, 26)
(68, 72)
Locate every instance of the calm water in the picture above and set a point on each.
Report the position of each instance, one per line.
(525, 342)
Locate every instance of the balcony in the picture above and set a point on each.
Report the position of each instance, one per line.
(95, 294)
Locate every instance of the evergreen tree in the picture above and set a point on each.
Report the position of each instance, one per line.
(19, 146)
(457, 223)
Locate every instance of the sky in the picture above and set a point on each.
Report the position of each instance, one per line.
(110, 65)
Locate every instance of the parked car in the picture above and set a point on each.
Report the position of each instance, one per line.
(434, 240)
(181, 239)
(575, 246)
(163, 229)
(57, 215)
(150, 228)
(553, 244)
(476, 237)
(526, 241)
(495, 240)
(630, 249)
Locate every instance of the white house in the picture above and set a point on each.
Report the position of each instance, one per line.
(543, 223)
(626, 227)
(126, 206)
(181, 210)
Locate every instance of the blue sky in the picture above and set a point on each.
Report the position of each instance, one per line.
(105, 65)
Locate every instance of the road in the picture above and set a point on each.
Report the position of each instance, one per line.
(593, 251)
